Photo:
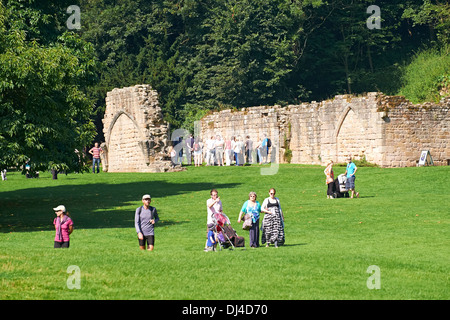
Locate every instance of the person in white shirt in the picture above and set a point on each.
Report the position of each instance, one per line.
(210, 150)
(197, 147)
(219, 145)
(228, 151)
(233, 145)
(238, 147)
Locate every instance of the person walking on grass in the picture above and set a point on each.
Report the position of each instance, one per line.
(350, 173)
(252, 208)
(273, 222)
(63, 227)
(144, 221)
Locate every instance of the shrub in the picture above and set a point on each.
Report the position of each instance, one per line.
(423, 79)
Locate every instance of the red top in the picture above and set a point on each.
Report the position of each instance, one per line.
(96, 152)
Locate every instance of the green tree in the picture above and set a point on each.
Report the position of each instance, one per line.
(44, 114)
(198, 54)
(135, 40)
(433, 14)
(203, 55)
(427, 77)
(343, 55)
(246, 54)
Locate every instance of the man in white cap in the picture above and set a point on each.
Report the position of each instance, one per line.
(145, 218)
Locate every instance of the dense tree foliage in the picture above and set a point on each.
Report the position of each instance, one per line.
(44, 114)
(203, 55)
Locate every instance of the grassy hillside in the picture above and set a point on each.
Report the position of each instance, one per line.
(399, 224)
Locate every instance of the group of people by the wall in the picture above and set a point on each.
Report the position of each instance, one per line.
(272, 225)
(216, 150)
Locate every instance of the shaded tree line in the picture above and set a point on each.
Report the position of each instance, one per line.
(203, 55)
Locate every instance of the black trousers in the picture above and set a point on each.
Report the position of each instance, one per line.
(331, 189)
(61, 244)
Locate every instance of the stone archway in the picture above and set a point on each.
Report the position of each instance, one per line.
(349, 135)
(136, 136)
(123, 143)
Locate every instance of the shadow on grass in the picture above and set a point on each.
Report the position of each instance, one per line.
(97, 205)
(294, 244)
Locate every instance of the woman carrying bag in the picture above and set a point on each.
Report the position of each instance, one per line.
(252, 208)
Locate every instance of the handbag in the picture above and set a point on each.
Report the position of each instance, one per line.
(247, 222)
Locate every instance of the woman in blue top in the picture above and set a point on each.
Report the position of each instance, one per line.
(253, 208)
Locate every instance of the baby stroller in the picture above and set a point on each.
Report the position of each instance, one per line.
(225, 233)
(341, 190)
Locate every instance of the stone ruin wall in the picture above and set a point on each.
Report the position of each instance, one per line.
(385, 130)
(410, 129)
(136, 136)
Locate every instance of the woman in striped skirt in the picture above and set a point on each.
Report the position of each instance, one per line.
(273, 222)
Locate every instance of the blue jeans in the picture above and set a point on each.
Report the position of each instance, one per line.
(95, 160)
(350, 184)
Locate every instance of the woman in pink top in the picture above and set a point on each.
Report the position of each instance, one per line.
(63, 226)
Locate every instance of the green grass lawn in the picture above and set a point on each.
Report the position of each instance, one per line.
(399, 224)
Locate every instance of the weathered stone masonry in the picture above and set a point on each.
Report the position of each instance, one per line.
(387, 130)
(136, 136)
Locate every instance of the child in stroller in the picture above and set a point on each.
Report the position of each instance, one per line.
(226, 235)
